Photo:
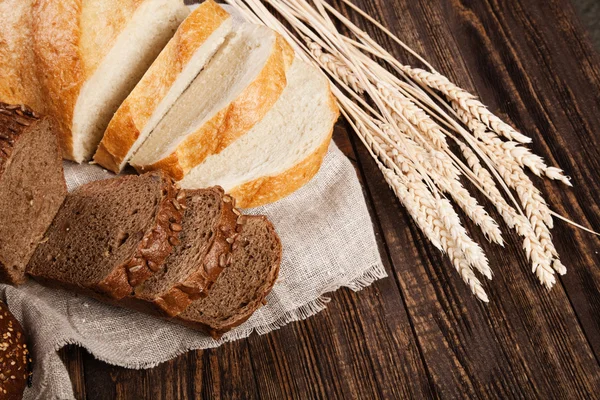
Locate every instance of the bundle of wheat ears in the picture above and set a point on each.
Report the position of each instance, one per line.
(427, 135)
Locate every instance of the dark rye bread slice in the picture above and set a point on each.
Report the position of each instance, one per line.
(243, 286)
(110, 236)
(32, 186)
(208, 229)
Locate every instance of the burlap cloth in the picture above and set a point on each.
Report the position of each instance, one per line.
(328, 243)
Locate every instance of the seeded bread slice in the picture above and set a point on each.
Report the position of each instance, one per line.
(110, 236)
(208, 229)
(32, 186)
(243, 286)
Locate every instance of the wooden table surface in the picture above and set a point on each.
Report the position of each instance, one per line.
(420, 333)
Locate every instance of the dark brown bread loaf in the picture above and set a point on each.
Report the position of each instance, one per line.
(14, 356)
(207, 231)
(243, 286)
(110, 236)
(32, 186)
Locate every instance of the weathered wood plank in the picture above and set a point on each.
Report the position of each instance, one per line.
(360, 347)
(223, 373)
(527, 342)
(73, 358)
(553, 79)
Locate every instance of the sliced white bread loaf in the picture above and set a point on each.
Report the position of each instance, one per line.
(235, 90)
(90, 54)
(280, 153)
(194, 43)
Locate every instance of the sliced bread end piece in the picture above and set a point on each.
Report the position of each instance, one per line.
(132, 53)
(244, 285)
(235, 91)
(110, 236)
(32, 186)
(208, 229)
(194, 43)
(280, 153)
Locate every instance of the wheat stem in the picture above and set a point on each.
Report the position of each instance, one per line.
(407, 120)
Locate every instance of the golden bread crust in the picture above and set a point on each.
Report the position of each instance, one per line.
(269, 189)
(59, 62)
(135, 112)
(233, 121)
(19, 84)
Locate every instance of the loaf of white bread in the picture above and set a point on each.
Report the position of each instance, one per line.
(186, 54)
(224, 104)
(77, 60)
(236, 109)
(209, 101)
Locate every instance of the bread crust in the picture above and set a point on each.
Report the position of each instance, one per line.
(253, 103)
(156, 245)
(258, 301)
(135, 112)
(269, 189)
(19, 83)
(59, 64)
(15, 359)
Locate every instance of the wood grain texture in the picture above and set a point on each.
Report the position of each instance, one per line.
(420, 333)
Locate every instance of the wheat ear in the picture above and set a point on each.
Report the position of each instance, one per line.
(407, 119)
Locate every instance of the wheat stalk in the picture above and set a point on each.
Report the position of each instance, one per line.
(407, 117)
(447, 177)
(426, 213)
(522, 155)
(466, 101)
(541, 263)
(334, 66)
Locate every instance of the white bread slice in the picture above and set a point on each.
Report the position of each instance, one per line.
(234, 91)
(90, 55)
(194, 43)
(280, 153)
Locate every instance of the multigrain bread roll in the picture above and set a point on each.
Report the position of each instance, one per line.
(280, 153)
(32, 186)
(15, 360)
(77, 60)
(110, 236)
(186, 54)
(234, 91)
